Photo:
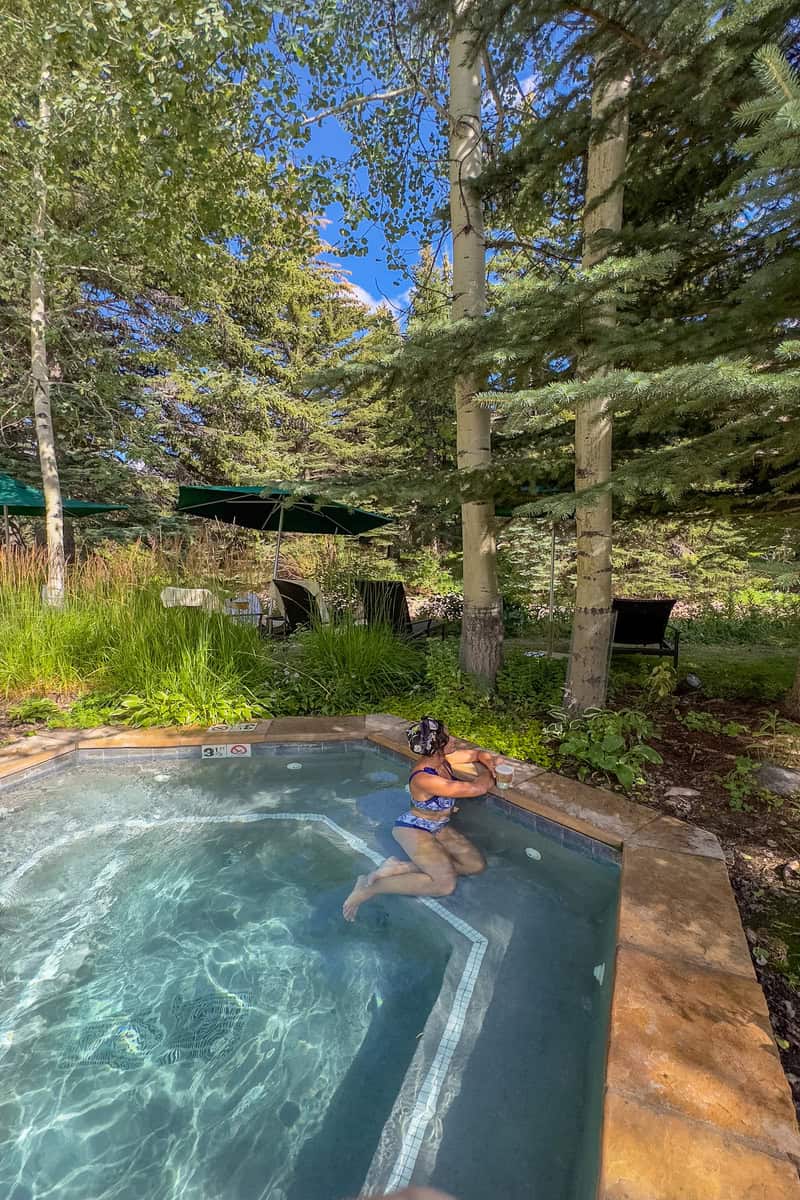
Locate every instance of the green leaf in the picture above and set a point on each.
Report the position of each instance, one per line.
(625, 775)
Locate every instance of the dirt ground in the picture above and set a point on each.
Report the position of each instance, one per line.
(760, 840)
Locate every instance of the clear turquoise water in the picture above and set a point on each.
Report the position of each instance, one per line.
(185, 1016)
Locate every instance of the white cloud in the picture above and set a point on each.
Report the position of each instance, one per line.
(397, 305)
(360, 295)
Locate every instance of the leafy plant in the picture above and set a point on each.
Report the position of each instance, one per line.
(743, 787)
(774, 725)
(527, 684)
(699, 721)
(606, 742)
(87, 713)
(661, 682)
(176, 708)
(35, 708)
(778, 740)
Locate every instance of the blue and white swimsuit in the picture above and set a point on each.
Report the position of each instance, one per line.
(433, 804)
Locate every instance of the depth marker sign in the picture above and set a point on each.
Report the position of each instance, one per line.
(230, 750)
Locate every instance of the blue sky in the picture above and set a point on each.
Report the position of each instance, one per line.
(375, 281)
(370, 274)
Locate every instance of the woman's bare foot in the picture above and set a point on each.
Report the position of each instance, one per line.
(390, 866)
(356, 898)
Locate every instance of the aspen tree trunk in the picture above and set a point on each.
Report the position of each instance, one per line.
(40, 377)
(592, 622)
(481, 628)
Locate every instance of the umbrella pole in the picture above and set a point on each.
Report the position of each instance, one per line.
(278, 544)
(271, 601)
(551, 602)
(6, 529)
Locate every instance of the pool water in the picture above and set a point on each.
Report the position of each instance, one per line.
(184, 1015)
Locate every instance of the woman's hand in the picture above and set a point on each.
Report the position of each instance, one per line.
(488, 761)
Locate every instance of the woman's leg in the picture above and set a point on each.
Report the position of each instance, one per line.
(391, 866)
(433, 873)
(466, 858)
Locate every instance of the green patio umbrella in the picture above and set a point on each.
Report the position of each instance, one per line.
(271, 507)
(20, 500)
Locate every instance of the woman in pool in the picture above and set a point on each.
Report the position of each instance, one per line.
(438, 853)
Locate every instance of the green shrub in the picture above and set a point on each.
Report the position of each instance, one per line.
(469, 713)
(87, 713)
(706, 722)
(744, 789)
(606, 742)
(531, 685)
(343, 668)
(660, 682)
(177, 708)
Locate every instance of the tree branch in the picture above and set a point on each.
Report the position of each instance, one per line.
(494, 92)
(357, 102)
(624, 33)
(419, 86)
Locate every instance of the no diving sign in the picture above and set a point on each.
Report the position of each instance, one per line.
(229, 750)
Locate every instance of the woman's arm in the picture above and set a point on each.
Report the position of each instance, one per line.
(459, 757)
(459, 789)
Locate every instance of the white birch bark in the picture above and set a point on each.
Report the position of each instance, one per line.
(587, 675)
(481, 629)
(40, 376)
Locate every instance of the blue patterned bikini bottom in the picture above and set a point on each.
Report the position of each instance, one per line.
(410, 820)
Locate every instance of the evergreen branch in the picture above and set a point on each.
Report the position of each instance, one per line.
(775, 72)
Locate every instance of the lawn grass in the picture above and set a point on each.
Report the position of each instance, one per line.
(727, 672)
(741, 672)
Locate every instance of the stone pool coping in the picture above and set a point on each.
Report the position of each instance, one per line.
(696, 1103)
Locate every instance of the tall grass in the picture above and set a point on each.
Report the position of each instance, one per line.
(114, 639)
(117, 654)
(346, 668)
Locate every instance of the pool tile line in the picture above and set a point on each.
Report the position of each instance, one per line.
(714, 1161)
(426, 1100)
(425, 1106)
(647, 1151)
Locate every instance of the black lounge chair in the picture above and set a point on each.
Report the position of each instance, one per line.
(642, 628)
(385, 603)
(299, 605)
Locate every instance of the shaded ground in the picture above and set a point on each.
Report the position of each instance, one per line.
(760, 840)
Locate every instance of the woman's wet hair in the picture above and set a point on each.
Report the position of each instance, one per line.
(427, 737)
